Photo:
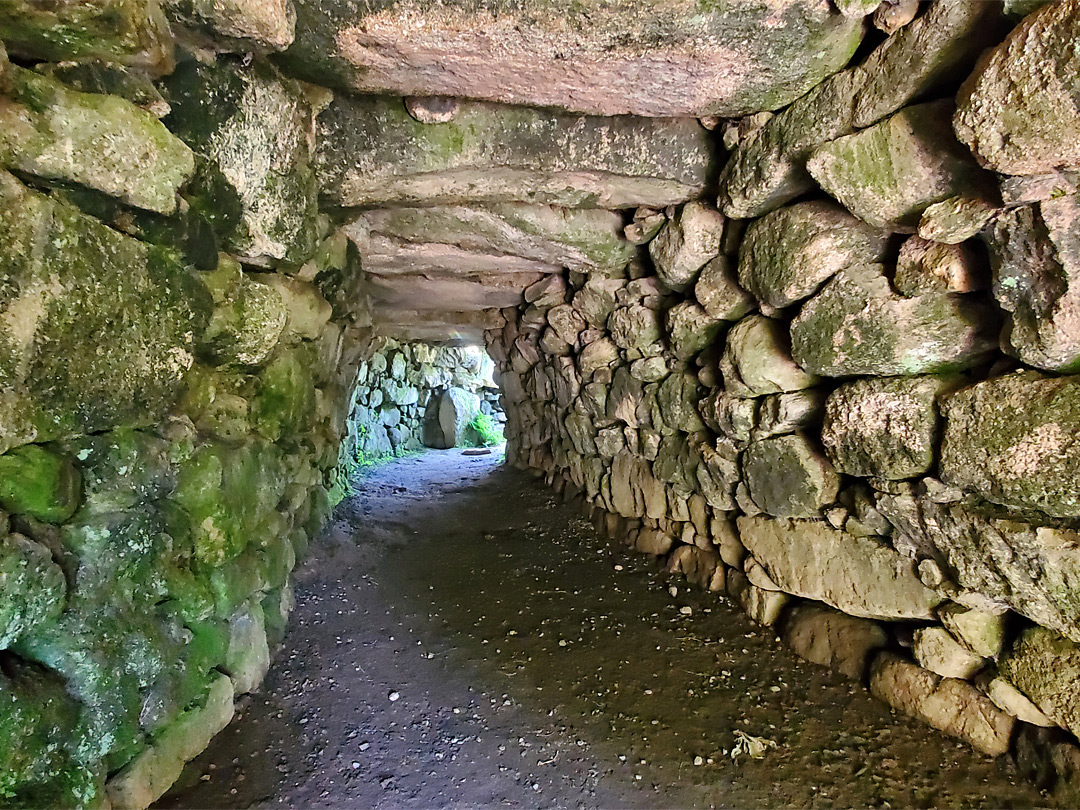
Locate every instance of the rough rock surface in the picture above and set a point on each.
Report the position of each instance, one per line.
(448, 415)
(245, 25)
(1046, 668)
(789, 477)
(613, 58)
(787, 254)
(857, 325)
(1018, 111)
(1015, 440)
(372, 152)
(863, 170)
(686, 243)
(883, 428)
(825, 636)
(808, 558)
(757, 361)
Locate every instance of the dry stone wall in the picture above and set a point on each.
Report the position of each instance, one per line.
(842, 395)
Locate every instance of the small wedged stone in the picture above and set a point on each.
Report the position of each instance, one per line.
(1045, 667)
(596, 299)
(626, 58)
(1010, 699)
(956, 219)
(686, 243)
(786, 413)
(856, 575)
(936, 650)
(1017, 111)
(1035, 259)
(372, 153)
(107, 78)
(131, 32)
(1015, 440)
(99, 141)
(242, 25)
(857, 325)
(982, 633)
(949, 705)
(787, 254)
(763, 607)
(250, 126)
(821, 635)
(883, 428)
(932, 267)
(860, 170)
(789, 477)
(719, 293)
(757, 360)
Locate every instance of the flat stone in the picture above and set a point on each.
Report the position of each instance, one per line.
(856, 575)
(131, 32)
(102, 142)
(719, 293)
(787, 254)
(1011, 700)
(686, 243)
(757, 360)
(242, 25)
(619, 58)
(821, 635)
(635, 492)
(788, 476)
(949, 705)
(958, 218)
(1018, 110)
(936, 650)
(1035, 258)
(860, 170)
(1045, 667)
(768, 169)
(372, 153)
(1016, 441)
(932, 267)
(857, 325)
(251, 127)
(74, 285)
(467, 239)
(1010, 563)
(884, 428)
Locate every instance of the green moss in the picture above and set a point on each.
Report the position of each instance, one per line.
(285, 400)
(38, 482)
(33, 590)
(487, 430)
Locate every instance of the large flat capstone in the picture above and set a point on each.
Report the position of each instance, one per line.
(372, 152)
(611, 58)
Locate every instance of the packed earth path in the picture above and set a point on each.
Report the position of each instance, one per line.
(463, 638)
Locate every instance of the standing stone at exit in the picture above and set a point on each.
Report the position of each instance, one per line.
(447, 418)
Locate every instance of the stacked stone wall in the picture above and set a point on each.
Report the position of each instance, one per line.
(841, 396)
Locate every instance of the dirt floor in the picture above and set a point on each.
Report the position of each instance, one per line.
(464, 639)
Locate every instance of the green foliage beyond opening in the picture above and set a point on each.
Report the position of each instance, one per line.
(487, 429)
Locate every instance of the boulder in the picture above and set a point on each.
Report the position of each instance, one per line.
(701, 567)
(99, 141)
(949, 705)
(686, 243)
(248, 657)
(447, 418)
(1018, 110)
(719, 293)
(241, 25)
(833, 639)
(789, 477)
(883, 428)
(372, 153)
(250, 126)
(131, 32)
(467, 239)
(248, 320)
(787, 254)
(614, 59)
(757, 361)
(1015, 440)
(857, 325)
(861, 170)
(1046, 668)
(83, 287)
(768, 168)
(857, 575)
(1009, 562)
(1035, 258)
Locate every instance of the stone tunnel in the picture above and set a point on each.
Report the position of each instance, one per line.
(778, 293)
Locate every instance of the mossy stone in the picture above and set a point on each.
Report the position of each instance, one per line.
(32, 587)
(284, 402)
(38, 482)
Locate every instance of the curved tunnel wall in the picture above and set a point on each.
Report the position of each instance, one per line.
(824, 367)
